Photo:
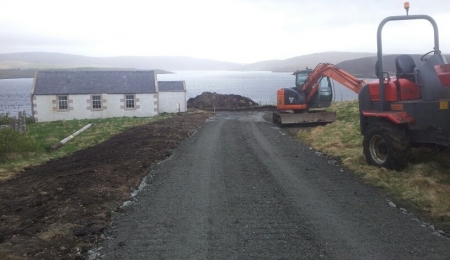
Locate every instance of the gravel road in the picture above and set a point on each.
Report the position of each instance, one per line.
(241, 188)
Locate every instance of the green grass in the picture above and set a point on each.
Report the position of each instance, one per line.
(425, 182)
(43, 135)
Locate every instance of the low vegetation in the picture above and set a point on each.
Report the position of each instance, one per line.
(425, 182)
(18, 151)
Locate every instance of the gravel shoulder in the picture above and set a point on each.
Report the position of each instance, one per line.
(242, 188)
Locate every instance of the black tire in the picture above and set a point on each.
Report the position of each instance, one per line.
(276, 118)
(387, 145)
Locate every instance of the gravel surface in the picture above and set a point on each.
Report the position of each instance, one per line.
(242, 188)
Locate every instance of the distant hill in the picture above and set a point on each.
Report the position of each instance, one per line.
(365, 67)
(16, 73)
(29, 73)
(44, 60)
(301, 62)
(24, 65)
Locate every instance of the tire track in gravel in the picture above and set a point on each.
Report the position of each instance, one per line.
(240, 189)
(169, 220)
(252, 219)
(352, 220)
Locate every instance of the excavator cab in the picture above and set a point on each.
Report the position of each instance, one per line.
(301, 76)
(324, 94)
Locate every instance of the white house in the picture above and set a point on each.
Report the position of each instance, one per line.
(67, 95)
(172, 96)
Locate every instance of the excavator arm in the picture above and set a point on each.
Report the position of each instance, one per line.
(311, 84)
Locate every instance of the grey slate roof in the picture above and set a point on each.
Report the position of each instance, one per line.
(171, 86)
(94, 82)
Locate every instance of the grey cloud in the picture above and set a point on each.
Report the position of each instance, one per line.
(17, 41)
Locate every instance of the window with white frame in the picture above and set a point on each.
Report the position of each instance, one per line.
(129, 101)
(96, 102)
(63, 103)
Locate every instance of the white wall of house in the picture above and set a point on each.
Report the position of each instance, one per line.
(172, 102)
(45, 107)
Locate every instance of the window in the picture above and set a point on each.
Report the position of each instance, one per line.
(129, 101)
(96, 102)
(62, 103)
(301, 77)
(325, 90)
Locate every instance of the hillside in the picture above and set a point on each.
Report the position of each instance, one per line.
(365, 67)
(29, 73)
(24, 65)
(361, 65)
(301, 62)
(44, 60)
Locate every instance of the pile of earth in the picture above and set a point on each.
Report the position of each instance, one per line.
(60, 209)
(208, 100)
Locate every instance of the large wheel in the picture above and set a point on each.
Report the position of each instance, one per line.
(387, 145)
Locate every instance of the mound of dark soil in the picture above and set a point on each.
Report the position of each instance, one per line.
(59, 209)
(208, 100)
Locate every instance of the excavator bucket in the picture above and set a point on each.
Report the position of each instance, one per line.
(304, 118)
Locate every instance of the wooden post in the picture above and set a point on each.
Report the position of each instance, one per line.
(67, 139)
(21, 124)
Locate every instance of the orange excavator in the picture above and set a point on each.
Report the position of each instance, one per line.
(312, 89)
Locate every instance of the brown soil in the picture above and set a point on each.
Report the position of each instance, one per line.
(208, 100)
(58, 210)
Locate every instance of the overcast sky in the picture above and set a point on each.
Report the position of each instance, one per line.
(242, 31)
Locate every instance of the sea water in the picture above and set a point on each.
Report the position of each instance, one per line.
(15, 96)
(260, 86)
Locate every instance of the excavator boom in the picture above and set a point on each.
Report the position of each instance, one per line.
(329, 70)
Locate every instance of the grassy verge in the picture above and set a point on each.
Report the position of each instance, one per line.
(40, 136)
(425, 182)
